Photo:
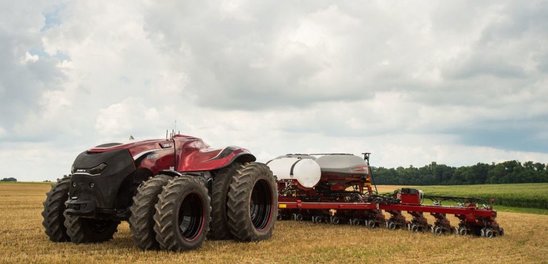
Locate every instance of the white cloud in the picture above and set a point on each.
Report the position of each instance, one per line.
(125, 118)
(457, 82)
(29, 58)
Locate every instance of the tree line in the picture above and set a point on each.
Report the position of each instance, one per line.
(439, 174)
(9, 179)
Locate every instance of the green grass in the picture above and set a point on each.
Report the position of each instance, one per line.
(524, 195)
(519, 198)
(521, 210)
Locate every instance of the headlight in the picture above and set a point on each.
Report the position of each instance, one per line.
(93, 171)
(97, 169)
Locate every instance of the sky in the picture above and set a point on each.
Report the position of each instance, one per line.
(456, 82)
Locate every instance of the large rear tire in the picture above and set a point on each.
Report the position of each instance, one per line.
(89, 230)
(182, 214)
(219, 195)
(252, 203)
(54, 207)
(141, 221)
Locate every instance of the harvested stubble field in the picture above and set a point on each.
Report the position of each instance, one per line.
(23, 241)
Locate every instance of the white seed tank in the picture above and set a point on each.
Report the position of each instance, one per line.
(304, 169)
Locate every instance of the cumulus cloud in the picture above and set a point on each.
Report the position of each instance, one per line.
(413, 82)
(25, 70)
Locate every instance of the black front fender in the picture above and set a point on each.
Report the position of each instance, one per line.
(94, 190)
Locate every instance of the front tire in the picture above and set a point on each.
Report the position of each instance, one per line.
(54, 206)
(141, 221)
(182, 214)
(89, 230)
(252, 203)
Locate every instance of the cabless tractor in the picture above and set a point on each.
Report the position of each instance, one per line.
(174, 192)
(337, 188)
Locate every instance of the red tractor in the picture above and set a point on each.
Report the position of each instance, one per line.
(174, 192)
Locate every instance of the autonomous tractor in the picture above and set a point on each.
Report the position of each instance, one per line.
(174, 192)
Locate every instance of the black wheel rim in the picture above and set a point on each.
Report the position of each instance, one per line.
(190, 218)
(261, 203)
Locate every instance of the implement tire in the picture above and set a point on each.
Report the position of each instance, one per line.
(54, 207)
(252, 203)
(182, 214)
(141, 221)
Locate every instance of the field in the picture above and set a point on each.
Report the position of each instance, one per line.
(23, 241)
(533, 195)
(523, 197)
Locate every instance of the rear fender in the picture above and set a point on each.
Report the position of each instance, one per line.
(157, 160)
(208, 160)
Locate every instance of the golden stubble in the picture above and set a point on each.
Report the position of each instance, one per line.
(24, 241)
